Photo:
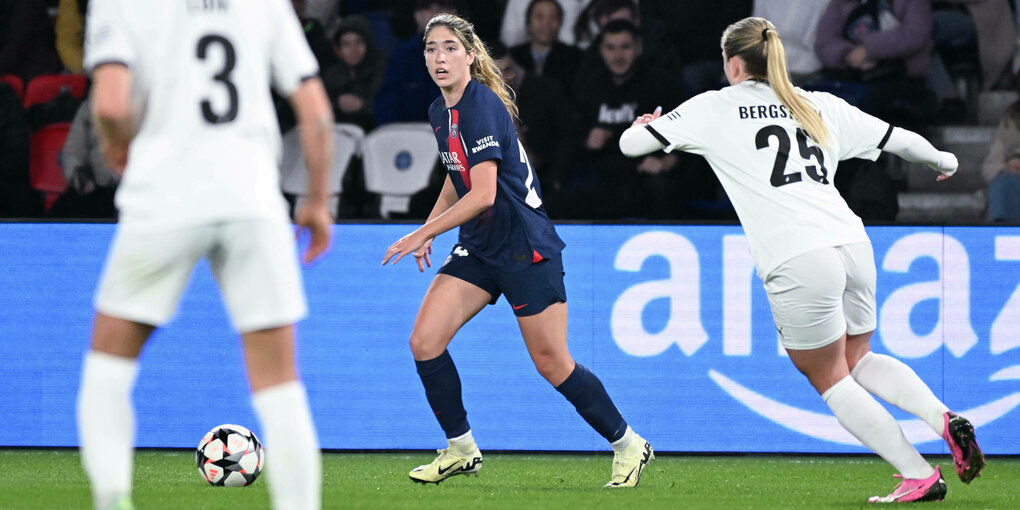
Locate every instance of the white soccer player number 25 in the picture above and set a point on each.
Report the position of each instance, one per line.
(532, 199)
(779, 176)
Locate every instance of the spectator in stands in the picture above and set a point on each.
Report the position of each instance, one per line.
(17, 199)
(1001, 169)
(542, 121)
(515, 21)
(603, 183)
(27, 42)
(691, 28)
(877, 54)
(544, 55)
(90, 183)
(353, 81)
(407, 89)
(655, 52)
(70, 30)
(797, 22)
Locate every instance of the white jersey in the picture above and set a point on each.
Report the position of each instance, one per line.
(207, 143)
(779, 181)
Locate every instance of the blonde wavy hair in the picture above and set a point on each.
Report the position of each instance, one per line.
(756, 41)
(483, 69)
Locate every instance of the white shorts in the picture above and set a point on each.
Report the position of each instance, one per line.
(254, 262)
(818, 296)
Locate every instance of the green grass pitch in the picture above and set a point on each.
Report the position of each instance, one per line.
(167, 479)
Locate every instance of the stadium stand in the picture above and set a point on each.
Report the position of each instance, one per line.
(347, 141)
(398, 160)
(46, 87)
(16, 84)
(45, 172)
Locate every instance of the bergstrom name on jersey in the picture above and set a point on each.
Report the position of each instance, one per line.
(760, 111)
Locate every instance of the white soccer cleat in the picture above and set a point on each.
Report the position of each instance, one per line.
(628, 464)
(447, 464)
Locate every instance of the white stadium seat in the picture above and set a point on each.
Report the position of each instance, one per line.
(347, 141)
(398, 159)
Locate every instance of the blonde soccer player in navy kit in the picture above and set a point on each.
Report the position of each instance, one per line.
(181, 100)
(775, 149)
(507, 245)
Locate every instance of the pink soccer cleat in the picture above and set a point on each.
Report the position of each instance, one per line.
(967, 456)
(932, 488)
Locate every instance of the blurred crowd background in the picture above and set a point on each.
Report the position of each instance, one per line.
(582, 70)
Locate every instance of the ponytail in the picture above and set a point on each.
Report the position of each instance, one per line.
(756, 41)
(483, 69)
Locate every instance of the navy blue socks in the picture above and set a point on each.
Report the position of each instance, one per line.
(589, 397)
(442, 388)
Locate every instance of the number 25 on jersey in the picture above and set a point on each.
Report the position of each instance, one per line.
(818, 173)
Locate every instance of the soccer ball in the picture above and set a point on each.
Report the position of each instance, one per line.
(230, 455)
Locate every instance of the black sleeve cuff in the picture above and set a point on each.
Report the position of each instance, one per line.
(885, 138)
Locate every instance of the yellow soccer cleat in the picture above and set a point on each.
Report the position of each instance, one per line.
(447, 464)
(628, 464)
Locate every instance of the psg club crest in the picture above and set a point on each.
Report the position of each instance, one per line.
(453, 131)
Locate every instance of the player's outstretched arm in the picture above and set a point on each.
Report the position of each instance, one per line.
(916, 149)
(315, 125)
(481, 196)
(637, 140)
(111, 110)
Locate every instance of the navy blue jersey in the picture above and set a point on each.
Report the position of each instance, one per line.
(515, 231)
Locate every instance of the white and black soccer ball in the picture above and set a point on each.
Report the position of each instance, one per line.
(230, 455)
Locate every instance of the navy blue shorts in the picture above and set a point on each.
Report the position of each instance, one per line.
(529, 291)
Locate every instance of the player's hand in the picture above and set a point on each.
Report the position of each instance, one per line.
(315, 217)
(416, 243)
(422, 255)
(947, 164)
(648, 117)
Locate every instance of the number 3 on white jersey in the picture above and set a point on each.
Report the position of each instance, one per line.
(532, 199)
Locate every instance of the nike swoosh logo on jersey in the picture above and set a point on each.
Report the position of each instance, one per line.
(518, 307)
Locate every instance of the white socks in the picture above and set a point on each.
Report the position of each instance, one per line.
(463, 445)
(893, 381)
(106, 429)
(106, 425)
(293, 458)
(621, 444)
(859, 413)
